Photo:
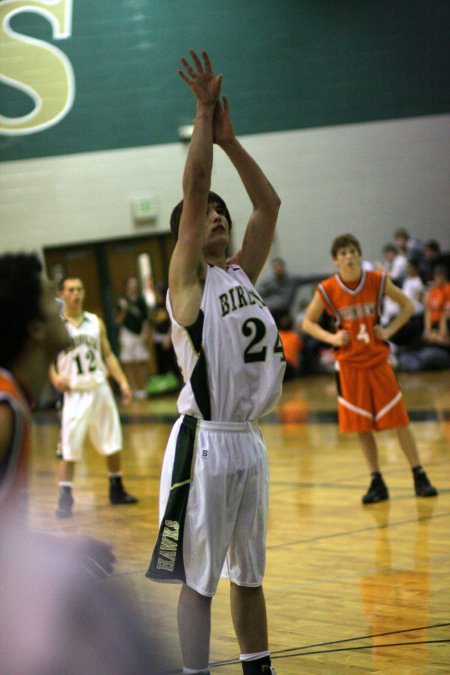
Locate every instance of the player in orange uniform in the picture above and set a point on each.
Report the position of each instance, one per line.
(369, 398)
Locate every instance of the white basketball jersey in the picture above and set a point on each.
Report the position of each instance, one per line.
(82, 361)
(232, 359)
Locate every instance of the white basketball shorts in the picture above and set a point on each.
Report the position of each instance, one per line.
(213, 506)
(95, 412)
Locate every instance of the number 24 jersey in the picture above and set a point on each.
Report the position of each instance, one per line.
(231, 358)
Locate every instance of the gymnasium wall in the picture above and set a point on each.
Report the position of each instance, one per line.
(344, 103)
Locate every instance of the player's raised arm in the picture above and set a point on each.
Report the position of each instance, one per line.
(184, 285)
(265, 201)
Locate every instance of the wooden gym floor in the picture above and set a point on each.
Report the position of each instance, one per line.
(349, 589)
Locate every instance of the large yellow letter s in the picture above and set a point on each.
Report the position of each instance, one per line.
(37, 68)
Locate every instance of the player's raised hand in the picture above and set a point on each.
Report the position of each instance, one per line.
(223, 131)
(200, 78)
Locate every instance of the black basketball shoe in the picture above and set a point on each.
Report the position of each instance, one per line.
(118, 494)
(377, 491)
(423, 486)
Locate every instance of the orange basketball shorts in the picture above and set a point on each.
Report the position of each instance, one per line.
(369, 398)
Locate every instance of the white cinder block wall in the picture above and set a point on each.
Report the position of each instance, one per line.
(368, 179)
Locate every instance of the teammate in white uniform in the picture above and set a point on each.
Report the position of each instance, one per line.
(89, 406)
(214, 484)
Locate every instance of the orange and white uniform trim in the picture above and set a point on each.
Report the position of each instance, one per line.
(14, 475)
(357, 310)
(368, 393)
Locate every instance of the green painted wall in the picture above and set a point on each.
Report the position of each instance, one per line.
(288, 64)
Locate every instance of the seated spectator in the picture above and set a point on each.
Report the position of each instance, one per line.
(434, 256)
(434, 352)
(437, 308)
(279, 290)
(411, 333)
(413, 285)
(411, 247)
(292, 346)
(394, 264)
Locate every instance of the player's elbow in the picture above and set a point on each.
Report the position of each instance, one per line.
(272, 205)
(197, 181)
(409, 308)
(305, 326)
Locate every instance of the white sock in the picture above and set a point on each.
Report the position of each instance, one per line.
(193, 671)
(255, 656)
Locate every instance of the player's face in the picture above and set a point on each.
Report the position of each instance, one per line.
(55, 334)
(217, 226)
(348, 259)
(73, 295)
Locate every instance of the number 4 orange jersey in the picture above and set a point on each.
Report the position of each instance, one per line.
(357, 310)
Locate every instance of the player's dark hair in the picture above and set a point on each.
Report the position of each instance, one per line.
(20, 296)
(433, 245)
(342, 241)
(176, 213)
(401, 232)
(389, 247)
(65, 278)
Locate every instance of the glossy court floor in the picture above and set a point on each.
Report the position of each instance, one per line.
(349, 589)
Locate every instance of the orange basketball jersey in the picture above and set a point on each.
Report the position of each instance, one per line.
(357, 310)
(14, 469)
(437, 300)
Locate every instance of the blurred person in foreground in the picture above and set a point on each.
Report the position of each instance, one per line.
(57, 616)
